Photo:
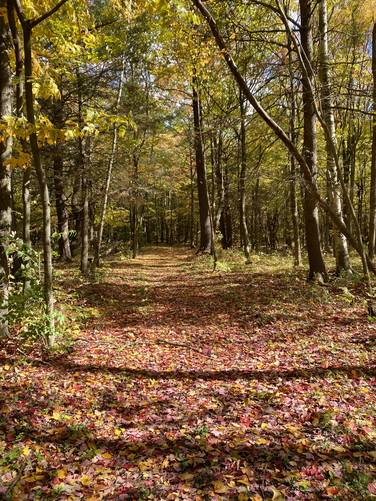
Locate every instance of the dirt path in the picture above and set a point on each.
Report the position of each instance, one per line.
(194, 385)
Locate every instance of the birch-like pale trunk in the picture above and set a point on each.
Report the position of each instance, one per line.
(372, 201)
(110, 166)
(5, 174)
(340, 241)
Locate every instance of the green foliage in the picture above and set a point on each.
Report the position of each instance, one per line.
(26, 302)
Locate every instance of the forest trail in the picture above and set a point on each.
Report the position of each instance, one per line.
(197, 385)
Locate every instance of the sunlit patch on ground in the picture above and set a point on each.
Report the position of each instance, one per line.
(195, 385)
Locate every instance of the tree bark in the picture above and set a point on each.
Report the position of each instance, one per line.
(134, 213)
(372, 217)
(19, 88)
(311, 215)
(293, 171)
(5, 174)
(85, 225)
(43, 186)
(191, 200)
(244, 234)
(60, 198)
(340, 241)
(206, 243)
(109, 171)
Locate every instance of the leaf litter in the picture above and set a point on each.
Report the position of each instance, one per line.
(195, 385)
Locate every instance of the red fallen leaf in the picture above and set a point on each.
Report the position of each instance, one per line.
(372, 488)
(313, 471)
(246, 420)
(332, 491)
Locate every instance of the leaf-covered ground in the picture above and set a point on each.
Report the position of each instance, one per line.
(196, 385)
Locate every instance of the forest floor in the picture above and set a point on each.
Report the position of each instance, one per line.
(196, 385)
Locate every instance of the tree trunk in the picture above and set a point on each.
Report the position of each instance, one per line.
(293, 170)
(85, 226)
(19, 88)
(191, 201)
(5, 175)
(83, 168)
(219, 181)
(43, 186)
(206, 243)
(226, 219)
(311, 216)
(135, 230)
(340, 241)
(244, 234)
(75, 205)
(60, 198)
(109, 171)
(372, 201)
(135, 217)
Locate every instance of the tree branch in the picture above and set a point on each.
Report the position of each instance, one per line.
(38, 20)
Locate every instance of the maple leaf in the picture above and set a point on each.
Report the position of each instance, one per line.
(86, 480)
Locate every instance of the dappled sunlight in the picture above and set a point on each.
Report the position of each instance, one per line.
(226, 383)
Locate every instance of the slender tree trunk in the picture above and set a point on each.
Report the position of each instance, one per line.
(226, 219)
(372, 200)
(83, 167)
(85, 216)
(219, 180)
(85, 226)
(242, 181)
(340, 241)
(135, 230)
(293, 170)
(206, 243)
(43, 186)
(311, 216)
(75, 205)
(5, 175)
(191, 201)
(19, 88)
(109, 171)
(135, 217)
(60, 198)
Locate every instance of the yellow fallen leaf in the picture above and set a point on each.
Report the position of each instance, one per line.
(187, 476)
(61, 473)
(262, 441)
(26, 451)
(220, 487)
(243, 496)
(339, 448)
(244, 480)
(256, 498)
(118, 432)
(85, 480)
(33, 478)
(264, 426)
(277, 495)
(56, 415)
(106, 455)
